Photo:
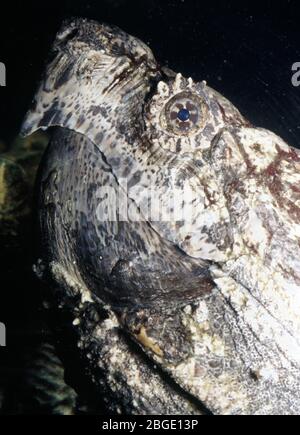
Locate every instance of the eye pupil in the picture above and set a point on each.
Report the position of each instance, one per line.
(183, 115)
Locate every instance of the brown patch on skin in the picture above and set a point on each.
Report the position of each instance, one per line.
(119, 79)
(288, 273)
(274, 183)
(293, 211)
(199, 371)
(272, 170)
(225, 119)
(148, 342)
(208, 195)
(250, 167)
(295, 189)
(229, 152)
(257, 148)
(271, 176)
(184, 126)
(233, 121)
(290, 156)
(252, 248)
(191, 107)
(236, 185)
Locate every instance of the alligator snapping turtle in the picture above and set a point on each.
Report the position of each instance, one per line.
(169, 231)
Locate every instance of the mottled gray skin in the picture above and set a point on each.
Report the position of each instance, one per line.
(212, 298)
(126, 263)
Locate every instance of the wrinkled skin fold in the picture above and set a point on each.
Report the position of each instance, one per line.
(211, 297)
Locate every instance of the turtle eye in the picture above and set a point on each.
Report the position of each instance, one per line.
(185, 114)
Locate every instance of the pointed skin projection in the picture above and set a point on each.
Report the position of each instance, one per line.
(161, 202)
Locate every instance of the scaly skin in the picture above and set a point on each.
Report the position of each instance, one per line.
(210, 295)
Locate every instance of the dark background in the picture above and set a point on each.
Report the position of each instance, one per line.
(243, 49)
